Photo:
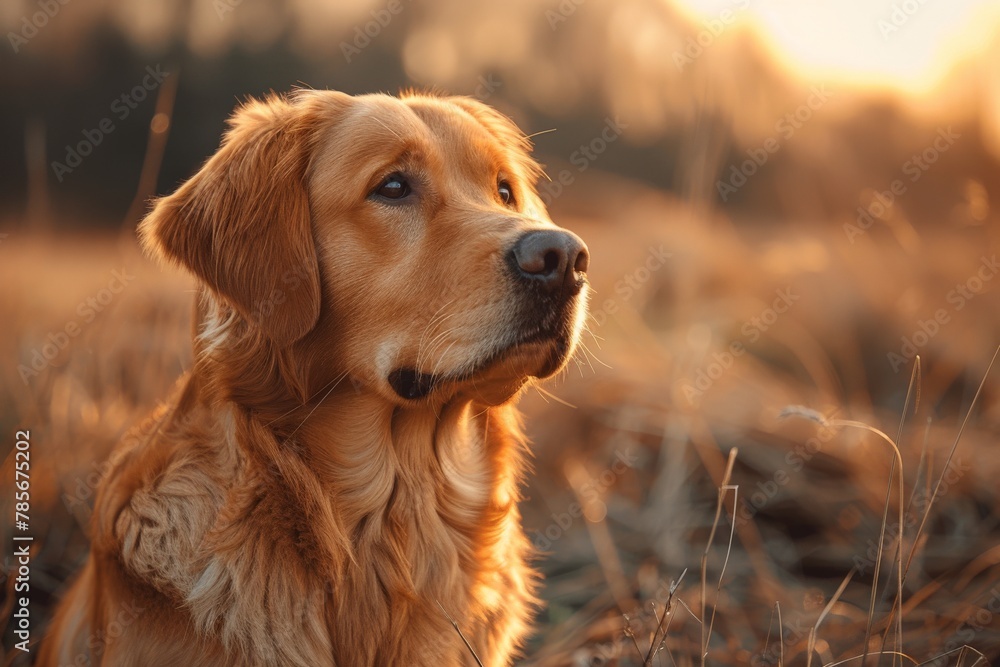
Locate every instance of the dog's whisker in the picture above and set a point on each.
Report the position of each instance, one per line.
(597, 339)
(392, 131)
(437, 319)
(442, 357)
(425, 352)
(434, 344)
(588, 356)
(318, 392)
(544, 392)
(590, 353)
(315, 407)
(434, 320)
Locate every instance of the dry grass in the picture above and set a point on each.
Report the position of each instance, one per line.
(794, 558)
(661, 565)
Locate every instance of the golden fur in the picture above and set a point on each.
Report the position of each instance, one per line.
(286, 506)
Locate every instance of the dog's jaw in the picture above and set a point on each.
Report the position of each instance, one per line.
(537, 349)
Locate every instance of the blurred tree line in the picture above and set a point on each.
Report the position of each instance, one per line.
(729, 130)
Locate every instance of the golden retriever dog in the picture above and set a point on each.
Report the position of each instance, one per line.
(337, 477)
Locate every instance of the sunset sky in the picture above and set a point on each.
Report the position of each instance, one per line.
(907, 45)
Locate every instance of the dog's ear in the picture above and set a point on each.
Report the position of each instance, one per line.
(242, 223)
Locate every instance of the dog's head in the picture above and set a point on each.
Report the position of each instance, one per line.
(398, 241)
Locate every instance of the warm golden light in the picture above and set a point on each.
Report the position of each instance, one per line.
(906, 45)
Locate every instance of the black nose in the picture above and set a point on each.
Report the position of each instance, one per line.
(552, 258)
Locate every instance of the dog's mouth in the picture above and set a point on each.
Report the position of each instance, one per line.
(545, 343)
(411, 384)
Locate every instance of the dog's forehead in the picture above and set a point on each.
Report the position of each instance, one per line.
(449, 121)
(377, 126)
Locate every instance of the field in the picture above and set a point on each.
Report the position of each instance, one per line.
(711, 475)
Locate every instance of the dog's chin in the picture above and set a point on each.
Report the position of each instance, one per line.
(501, 380)
(494, 379)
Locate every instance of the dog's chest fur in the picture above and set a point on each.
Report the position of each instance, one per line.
(339, 545)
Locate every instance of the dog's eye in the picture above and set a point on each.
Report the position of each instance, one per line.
(394, 186)
(506, 192)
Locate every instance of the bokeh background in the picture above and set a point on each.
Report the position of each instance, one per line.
(786, 203)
